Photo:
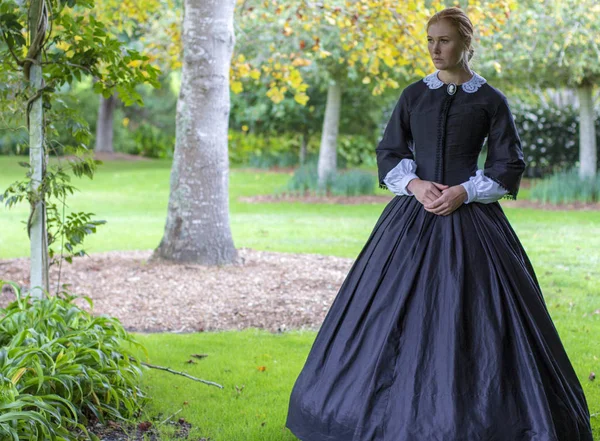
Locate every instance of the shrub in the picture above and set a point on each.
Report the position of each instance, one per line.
(151, 142)
(353, 183)
(550, 136)
(60, 367)
(344, 183)
(566, 186)
(355, 150)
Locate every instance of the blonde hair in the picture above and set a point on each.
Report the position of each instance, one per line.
(462, 24)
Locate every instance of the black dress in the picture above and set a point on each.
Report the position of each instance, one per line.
(440, 331)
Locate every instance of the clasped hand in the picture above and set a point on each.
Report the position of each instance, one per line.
(438, 198)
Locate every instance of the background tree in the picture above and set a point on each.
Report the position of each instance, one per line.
(553, 44)
(375, 41)
(148, 26)
(47, 44)
(197, 227)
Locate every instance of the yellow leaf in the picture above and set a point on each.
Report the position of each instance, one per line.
(236, 86)
(366, 80)
(134, 63)
(301, 98)
(15, 379)
(63, 46)
(245, 128)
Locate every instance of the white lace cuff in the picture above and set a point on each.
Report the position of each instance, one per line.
(398, 178)
(482, 189)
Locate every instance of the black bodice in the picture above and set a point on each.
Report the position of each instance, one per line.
(444, 133)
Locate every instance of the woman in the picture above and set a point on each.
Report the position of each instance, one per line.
(440, 331)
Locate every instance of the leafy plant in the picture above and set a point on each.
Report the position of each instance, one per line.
(566, 186)
(345, 183)
(353, 183)
(60, 367)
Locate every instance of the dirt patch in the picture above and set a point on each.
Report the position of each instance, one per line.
(142, 431)
(269, 290)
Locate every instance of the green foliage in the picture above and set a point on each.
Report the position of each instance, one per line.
(344, 183)
(270, 160)
(549, 135)
(152, 142)
(565, 187)
(305, 179)
(357, 150)
(549, 44)
(64, 230)
(353, 183)
(61, 367)
(261, 150)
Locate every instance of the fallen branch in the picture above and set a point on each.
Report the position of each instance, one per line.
(160, 368)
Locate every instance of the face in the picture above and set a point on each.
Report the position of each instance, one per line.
(445, 45)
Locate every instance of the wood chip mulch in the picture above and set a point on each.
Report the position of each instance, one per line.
(269, 290)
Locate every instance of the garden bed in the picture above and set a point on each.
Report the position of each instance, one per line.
(270, 290)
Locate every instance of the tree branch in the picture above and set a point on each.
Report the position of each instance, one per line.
(12, 52)
(182, 374)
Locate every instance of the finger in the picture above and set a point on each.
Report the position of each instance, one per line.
(436, 212)
(440, 209)
(436, 192)
(441, 186)
(436, 203)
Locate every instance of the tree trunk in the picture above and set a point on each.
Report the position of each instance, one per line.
(331, 123)
(304, 147)
(104, 124)
(587, 133)
(197, 227)
(38, 236)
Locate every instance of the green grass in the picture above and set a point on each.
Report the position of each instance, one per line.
(253, 403)
(132, 196)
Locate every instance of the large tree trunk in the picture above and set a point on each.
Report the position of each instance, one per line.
(38, 236)
(331, 123)
(587, 133)
(104, 124)
(197, 228)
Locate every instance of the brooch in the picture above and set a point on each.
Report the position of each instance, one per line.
(451, 89)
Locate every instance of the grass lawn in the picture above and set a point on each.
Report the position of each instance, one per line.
(132, 197)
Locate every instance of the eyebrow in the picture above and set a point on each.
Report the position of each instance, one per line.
(441, 36)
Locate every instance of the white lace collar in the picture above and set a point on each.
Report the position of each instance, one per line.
(433, 82)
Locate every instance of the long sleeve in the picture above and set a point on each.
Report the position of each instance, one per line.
(394, 146)
(504, 162)
(399, 177)
(482, 189)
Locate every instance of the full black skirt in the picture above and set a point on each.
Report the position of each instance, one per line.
(439, 332)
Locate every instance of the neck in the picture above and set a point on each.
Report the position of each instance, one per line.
(456, 75)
